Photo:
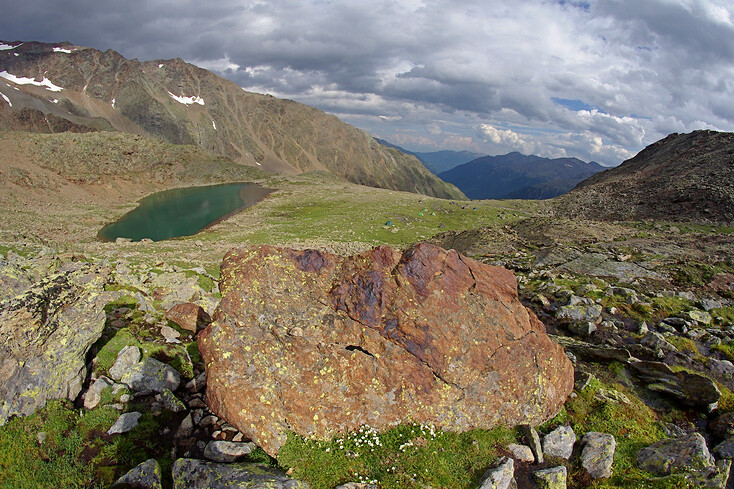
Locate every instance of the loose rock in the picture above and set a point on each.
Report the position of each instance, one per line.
(151, 374)
(684, 453)
(597, 456)
(522, 453)
(227, 451)
(126, 422)
(93, 395)
(533, 441)
(147, 475)
(559, 442)
(552, 478)
(196, 474)
(126, 358)
(189, 316)
(500, 477)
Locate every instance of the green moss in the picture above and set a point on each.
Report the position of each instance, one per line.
(683, 344)
(403, 457)
(725, 313)
(58, 461)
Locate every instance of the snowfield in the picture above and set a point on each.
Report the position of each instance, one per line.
(62, 50)
(187, 100)
(19, 80)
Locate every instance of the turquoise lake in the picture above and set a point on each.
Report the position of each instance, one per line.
(183, 211)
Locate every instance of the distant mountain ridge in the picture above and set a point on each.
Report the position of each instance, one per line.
(680, 177)
(62, 87)
(438, 161)
(518, 176)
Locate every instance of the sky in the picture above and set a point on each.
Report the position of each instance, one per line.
(595, 79)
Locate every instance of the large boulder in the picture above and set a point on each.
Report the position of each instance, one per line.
(46, 334)
(684, 453)
(314, 343)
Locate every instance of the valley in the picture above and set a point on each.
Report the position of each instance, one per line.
(364, 325)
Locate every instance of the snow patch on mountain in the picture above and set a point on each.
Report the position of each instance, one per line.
(187, 100)
(19, 80)
(214, 125)
(5, 47)
(6, 99)
(62, 50)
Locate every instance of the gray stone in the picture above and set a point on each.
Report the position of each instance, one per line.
(13, 280)
(580, 313)
(605, 265)
(227, 451)
(656, 341)
(126, 422)
(500, 477)
(93, 395)
(171, 402)
(559, 442)
(126, 358)
(197, 384)
(153, 375)
(725, 449)
(533, 441)
(147, 475)
(186, 427)
(47, 332)
(692, 389)
(611, 395)
(551, 478)
(597, 456)
(701, 317)
(170, 334)
(522, 453)
(684, 453)
(588, 351)
(196, 474)
(356, 485)
(582, 329)
(709, 304)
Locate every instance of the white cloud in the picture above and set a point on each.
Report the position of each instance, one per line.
(643, 68)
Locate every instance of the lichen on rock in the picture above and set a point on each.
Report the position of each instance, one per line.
(317, 344)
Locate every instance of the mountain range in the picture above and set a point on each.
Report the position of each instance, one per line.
(517, 176)
(61, 87)
(438, 161)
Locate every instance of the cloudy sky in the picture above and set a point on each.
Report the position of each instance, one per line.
(595, 79)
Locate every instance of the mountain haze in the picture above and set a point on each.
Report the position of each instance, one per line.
(517, 176)
(681, 177)
(438, 161)
(61, 87)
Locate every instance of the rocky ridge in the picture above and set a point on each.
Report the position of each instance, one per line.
(680, 177)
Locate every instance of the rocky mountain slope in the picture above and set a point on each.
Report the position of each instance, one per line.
(61, 87)
(517, 176)
(681, 177)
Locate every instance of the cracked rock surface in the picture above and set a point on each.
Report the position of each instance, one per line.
(317, 344)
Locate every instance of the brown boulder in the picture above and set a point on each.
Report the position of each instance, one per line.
(318, 344)
(189, 316)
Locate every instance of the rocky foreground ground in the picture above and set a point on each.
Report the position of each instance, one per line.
(646, 320)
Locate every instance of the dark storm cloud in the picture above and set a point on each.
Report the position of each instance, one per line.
(483, 74)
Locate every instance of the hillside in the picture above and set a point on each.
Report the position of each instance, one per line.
(517, 176)
(681, 177)
(61, 87)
